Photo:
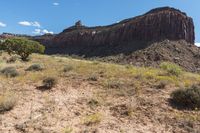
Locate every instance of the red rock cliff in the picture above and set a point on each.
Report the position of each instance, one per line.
(157, 24)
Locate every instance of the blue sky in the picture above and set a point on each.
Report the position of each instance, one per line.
(47, 16)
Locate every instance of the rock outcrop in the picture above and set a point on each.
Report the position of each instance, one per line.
(180, 52)
(123, 37)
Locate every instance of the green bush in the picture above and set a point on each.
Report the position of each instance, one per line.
(9, 72)
(35, 67)
(49, 82)
(22, 47)
(171, 68)
(187, 98)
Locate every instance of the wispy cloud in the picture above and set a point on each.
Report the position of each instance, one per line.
(56, 4)
(197, 44)
(2, 24)
(40, 31)
(27, 23)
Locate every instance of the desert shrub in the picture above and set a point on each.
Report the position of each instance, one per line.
(187, 98)
(162, 84)
(67, 68)
(93, 119)
(22, 47)
(92, 78)
(93, 103)
(35, 67)
(7, 102)
(114, 84)
(12, 59)
(171, 68)
(95, 62)
(68, 130)
(49, 82)
(9, 72)
(122, 110)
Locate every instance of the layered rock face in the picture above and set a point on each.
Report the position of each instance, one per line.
(123, 37)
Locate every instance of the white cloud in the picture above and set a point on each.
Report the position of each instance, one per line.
(41, 32)
(27, 23)
(2, 24)
(47, 32)
(197, 44)
(37, 31)
(56, 4)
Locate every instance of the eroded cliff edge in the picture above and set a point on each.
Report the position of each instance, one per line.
(124, 37)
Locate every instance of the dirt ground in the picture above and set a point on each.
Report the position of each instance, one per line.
(79, 105)
(66, 106)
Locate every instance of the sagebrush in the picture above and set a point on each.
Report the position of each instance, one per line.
(187, 97)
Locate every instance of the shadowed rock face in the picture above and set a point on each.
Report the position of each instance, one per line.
(123, 37)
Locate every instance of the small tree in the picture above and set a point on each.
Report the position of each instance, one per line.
(22, 47)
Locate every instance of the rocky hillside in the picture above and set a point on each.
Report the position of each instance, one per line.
(180, 52)
(123, 37)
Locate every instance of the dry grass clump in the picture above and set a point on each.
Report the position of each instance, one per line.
(7, 102)
(10, 72)
(68, 130)
(93, 103)
(67, 68)
(93, 119)
(92, 77)
(35, 67)
(162, 84)
(49, 82)
(12, 59)
(122, 110)
(114, 84)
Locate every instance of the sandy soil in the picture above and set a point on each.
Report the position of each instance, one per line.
(64, 108)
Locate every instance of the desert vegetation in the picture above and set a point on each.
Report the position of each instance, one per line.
(9, 72)
(171, 68)
(139, 75)
(49, 82)
(12, 59)
(92, 119)
(81, 95)
(22, 47)
(35, 67)
(187, 98)
(67, 68)
(7, 101)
